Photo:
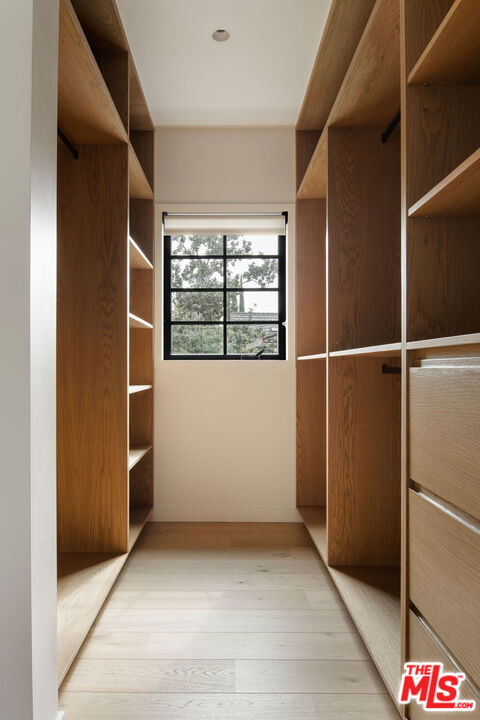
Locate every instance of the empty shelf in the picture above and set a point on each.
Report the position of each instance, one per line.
(344, 27)
(138, 259)
(135, 322)
(133, 389)
(387, 350)
(139, 186)
(454, 340)
(453, 53)
(316, 524)
(84, 581)
(370, 92)
(135, 454)
(320, 356)
(140, 118)
(138, 518)
(314, 183)
(372, 597)
(457, 195)
(86, 111)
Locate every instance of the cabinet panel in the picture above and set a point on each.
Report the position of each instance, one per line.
(444, 578)
(445, 433)
(424, 648)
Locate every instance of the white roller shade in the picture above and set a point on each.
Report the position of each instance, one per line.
(263, 224)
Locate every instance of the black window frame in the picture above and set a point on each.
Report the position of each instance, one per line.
(282, 301)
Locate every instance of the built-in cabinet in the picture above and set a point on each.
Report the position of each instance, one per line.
(388, 325)
(105, 313)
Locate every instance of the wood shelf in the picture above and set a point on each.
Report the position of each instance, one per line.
(138, 518)
(139, 187)
(314, 183)
(140, 118)
(86, 111)
(134, 389)
(457, 195)
(138, 259)
(83, 583)
(370, 92)
(135, 454)
(387, 350)
(372, 597)
(453, 54)
(344, 27)
(444, 342)
(320, 356)
(315, 520)
(136, 322)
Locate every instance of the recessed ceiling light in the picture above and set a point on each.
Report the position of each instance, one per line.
(220, 35)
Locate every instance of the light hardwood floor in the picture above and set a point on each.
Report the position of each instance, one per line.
(224, 621)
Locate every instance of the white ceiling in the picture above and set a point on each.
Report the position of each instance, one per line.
(257, 77)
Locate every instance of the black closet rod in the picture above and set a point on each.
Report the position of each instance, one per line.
(70, 147)
(390, 128)
(391, 369)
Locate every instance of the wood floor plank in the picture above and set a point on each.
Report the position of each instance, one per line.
(217, 646)
(90, 675)
(220, 676)
(188, 706)
(326, 598)
(221, 581)
(336, 620)
(306, 676)
(151, 560)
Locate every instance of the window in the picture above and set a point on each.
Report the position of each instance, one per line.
(225, 281)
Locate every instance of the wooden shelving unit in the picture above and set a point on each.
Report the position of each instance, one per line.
(105, 313)
(388, 372)
(369, 95)
(372, 596)
(84, 581)
(457, 195)
(441, 149)
(442, 97)
(136, 454)
(86, 111)
(349, 326)
(452, 54)
(139, 186)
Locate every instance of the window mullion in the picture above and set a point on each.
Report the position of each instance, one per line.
(224, 294)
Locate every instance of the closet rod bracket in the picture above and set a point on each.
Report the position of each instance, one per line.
(70, 146)
(391, 369)
(391, 128)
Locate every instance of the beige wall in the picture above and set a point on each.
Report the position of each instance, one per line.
(225, 431)
(225, 165)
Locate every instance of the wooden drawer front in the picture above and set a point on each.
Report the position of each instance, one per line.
(444, 577)
(445, 433)
(424, 648)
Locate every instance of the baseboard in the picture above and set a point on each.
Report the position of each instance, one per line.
(224, 514)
